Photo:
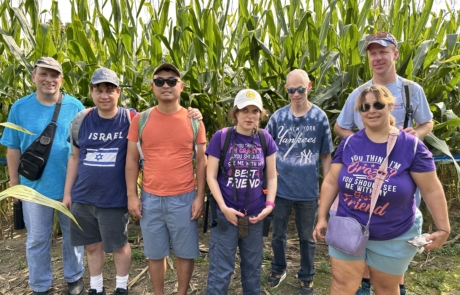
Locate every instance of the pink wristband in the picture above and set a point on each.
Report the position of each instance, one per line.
(268, 203)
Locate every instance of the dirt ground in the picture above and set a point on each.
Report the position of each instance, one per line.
(437, 273)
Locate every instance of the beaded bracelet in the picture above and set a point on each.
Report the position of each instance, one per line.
(448, 232)
(268, 203)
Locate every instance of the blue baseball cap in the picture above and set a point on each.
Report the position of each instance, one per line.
(381, 38)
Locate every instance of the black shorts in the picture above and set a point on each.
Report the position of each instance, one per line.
(106, 225)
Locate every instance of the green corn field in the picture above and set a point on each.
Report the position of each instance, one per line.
(223, 46)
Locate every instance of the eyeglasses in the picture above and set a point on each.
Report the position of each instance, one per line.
(300, 90)
(365, 107)
(159, 82)
(381, 36)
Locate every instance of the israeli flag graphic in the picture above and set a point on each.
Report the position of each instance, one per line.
(101, 157)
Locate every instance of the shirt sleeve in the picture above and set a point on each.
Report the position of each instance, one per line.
(339, 151)
(423, 159)
(271, 128)
(271, 145)
(326, 144)
(201, 137)
(10, 137)
(213, 148)
(133, 133)
(422, 112)
(346, 117)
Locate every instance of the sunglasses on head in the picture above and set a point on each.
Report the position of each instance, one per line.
(159, 82)
(300, 90)
(381, 36)
(365, 107)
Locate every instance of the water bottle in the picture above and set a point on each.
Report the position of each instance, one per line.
(18, 216)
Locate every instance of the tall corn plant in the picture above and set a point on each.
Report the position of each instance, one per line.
(223, 46)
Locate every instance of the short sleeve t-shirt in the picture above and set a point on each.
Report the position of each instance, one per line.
(351, 119)
(301, 142)
(34, 116)
(101, 166)
(245, 179)
(167, 145)
(394, 213)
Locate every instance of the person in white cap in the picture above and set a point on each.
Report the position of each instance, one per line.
(34, 112)
(382, 52)
(95, 187)
(302, 132)
(170, 205)
(235, 175)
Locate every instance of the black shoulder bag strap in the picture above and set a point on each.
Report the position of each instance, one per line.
(33, 160)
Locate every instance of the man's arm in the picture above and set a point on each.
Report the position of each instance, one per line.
(131, 175)
(341, 132)
(71, 176)
(326, 160)
(12, 157)
(197, 206)
(422, 129)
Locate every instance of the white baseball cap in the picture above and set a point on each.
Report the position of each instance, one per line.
(248, 97)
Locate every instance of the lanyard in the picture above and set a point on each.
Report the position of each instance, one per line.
(232, 163)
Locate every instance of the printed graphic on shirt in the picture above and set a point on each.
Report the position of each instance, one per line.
(359, 182)
(101, 157)
(297, 138)
(240, 162)
(104, 136)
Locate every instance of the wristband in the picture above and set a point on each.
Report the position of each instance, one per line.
(268, 203)
(448, 232)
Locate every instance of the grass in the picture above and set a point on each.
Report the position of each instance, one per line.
(137, 255)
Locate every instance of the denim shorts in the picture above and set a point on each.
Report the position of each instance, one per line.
(106, 225)
(168, 219)
(391, 256)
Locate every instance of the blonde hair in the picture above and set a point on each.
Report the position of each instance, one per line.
(382, 94)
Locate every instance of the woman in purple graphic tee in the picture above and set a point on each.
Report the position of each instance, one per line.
(395, 218)
(237, 187)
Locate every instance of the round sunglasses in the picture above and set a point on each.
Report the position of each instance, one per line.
(159, 82)
(365, 107)
(300, 90)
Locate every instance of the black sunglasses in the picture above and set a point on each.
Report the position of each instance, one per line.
(365, 107)
(300, 90)
(159, 82)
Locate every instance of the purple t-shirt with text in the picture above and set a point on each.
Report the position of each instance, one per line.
(242, 150)
(394, 213)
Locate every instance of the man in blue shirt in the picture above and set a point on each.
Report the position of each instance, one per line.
(34, 112)
(302, 132)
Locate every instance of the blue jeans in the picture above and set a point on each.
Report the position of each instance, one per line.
(39, 223)
(222, 251)
(305, 216)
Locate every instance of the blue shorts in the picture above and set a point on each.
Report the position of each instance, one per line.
(391, 256)
(168, 219)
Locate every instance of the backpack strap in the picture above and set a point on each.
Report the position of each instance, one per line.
(406, 95)
(144, 117)
(195, 128)
(225, 135)
(346, 141)
(75, 125)
(263, 143)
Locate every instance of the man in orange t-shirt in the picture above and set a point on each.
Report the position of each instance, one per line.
(169, 207)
